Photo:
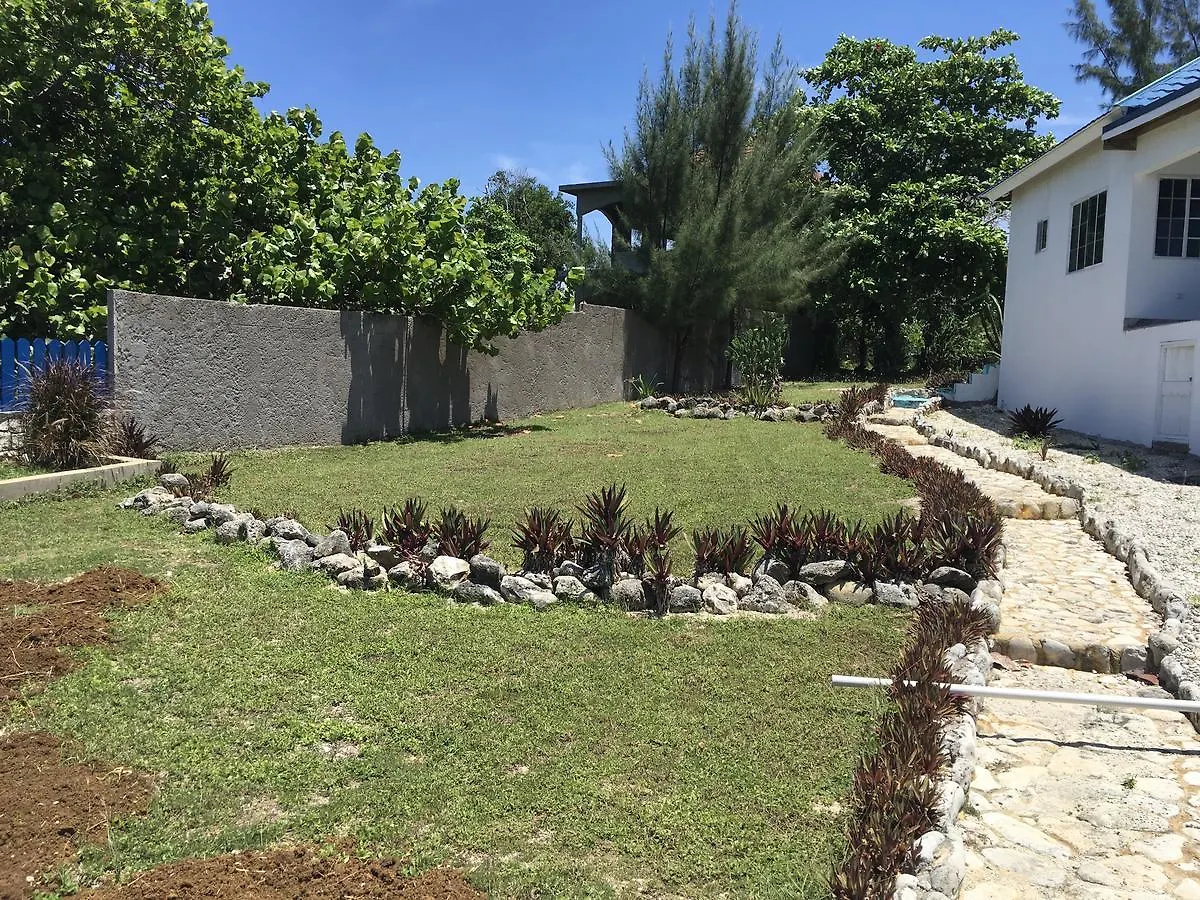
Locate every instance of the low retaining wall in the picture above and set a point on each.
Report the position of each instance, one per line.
(203, 374)
(121, 469)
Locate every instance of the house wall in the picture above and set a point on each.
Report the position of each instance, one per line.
(204, 375)
(1064, 341)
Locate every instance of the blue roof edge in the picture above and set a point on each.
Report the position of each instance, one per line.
(1169, 85)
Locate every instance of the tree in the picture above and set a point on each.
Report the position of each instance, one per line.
(910, 144)
(133, 156)
(1136, 43)
(719, 185)
(542, 215)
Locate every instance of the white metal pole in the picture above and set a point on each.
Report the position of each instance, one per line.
(974, 690)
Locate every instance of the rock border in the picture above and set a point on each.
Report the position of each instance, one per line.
(941, 854)
(1175, 676)
(769, 590)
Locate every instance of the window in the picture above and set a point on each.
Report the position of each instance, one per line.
(1087, 232)
(1042, 228)
(1178, 230)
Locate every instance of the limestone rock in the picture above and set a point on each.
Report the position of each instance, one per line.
(849, 593)
(351, 578)
(406, 575)
(288, 530)
(470, 592)
(900, 596)
(384, 556)
(720, 599)
(629, 594)
(174, 482)
(804, 596)
(448, 572)
(228, 532)
(486, 571)
(685, 599)
(193, 525)
(740, 583)
(829, 571)
(574, 569)
(516, 589)
(775, 569)
(948, 576)
(336, 563)
(334, 543)
(570, 589)
(294, 555)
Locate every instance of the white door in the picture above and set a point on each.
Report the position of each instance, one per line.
(1176, 377)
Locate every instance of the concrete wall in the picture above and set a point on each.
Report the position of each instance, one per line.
(1065, 344)
(204, 374)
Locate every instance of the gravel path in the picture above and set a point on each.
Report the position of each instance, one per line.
(1158, 505)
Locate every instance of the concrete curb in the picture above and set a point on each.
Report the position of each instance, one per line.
(124, 469)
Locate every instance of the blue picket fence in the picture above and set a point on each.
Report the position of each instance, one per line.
(20, 357)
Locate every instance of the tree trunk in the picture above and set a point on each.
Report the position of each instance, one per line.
(681, 337)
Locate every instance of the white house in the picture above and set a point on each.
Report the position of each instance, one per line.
(1102, 311)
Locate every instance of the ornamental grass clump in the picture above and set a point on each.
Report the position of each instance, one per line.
(406, 529)
(545, 539)
(62, 417)
(460, 536)
(604, 529)
(205, 484)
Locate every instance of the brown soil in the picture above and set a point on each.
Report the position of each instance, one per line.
(67, 615)
(287, 874)
(50, 807)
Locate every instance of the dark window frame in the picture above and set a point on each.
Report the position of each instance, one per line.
(1087, 232)
(1177, 219)
(1039, 242)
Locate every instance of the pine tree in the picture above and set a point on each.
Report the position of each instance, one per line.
(1136, 42)
(720, 185)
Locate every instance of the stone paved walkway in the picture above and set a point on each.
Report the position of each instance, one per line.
(1015, 497)
(1068, 603)
(1082, 802)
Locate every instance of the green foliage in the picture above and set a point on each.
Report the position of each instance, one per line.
(720, 186)
(757, 352)
(542, 215)
(1033, 423)
(1134, 42)
(62, 417)
(129, 437)
(910, 145)
(136, 158)
(641, 387)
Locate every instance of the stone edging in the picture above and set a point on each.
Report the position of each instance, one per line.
(1147, 581)
(941, 854)
(125, 468)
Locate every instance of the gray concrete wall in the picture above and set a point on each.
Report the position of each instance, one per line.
(203, 374)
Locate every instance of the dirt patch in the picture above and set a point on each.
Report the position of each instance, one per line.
(287, 874)
(36, 620)
(49, 808)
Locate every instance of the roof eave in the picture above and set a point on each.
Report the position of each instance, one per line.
(1059, 153)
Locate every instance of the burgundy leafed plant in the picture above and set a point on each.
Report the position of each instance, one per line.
(406, 529)
(544, 538)
(359, 528)
(460, 536)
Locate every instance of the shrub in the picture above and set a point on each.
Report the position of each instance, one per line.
(359, 528)
(943, 380)
(62, 417)
(757, 352)
(604, 528)
(544, 538)
(130, 438)
(734, 550)
(970, 543)
(406, 528)
(893, 550)
(459, 536)
(1033, 422)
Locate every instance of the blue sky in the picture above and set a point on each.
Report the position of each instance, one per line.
(463, 87)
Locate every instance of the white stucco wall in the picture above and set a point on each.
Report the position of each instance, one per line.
(1064, 340)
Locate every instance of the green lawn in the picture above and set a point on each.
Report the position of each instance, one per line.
(10, 468)
(709, 472)
(575, 753)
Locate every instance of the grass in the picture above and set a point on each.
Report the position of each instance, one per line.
(10, 468)
(576, 753)
(710, 473)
